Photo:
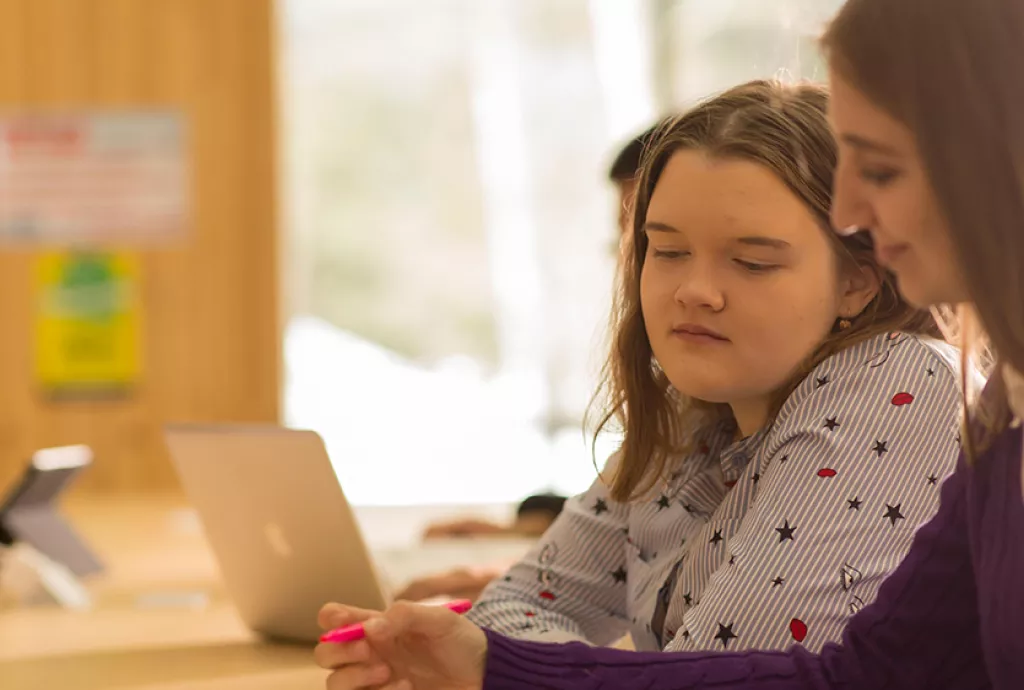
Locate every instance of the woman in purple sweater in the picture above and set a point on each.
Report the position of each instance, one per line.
(928, 107)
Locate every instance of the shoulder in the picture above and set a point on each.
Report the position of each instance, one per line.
(896, 353)
(889, 370)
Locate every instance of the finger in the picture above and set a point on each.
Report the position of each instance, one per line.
(335, 655)
(337, 615)
(357, 677)
(403, 684)
(404, 617)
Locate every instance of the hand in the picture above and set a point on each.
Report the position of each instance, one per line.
(409, 647)
(470, 527)
(460, 583)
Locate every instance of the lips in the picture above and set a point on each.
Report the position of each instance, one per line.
(888, 253)
(695, 330)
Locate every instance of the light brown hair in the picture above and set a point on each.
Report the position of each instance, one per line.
(783, 128)
(948, 70)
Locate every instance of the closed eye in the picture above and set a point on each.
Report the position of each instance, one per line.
(669, 254)
(754, 267)
(879, 177)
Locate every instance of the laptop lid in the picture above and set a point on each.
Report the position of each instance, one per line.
(278, 522)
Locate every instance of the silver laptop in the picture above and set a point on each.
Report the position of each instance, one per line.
(279, 524)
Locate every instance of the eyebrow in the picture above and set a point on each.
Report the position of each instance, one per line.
(748, 240)
(859, 142)
(760, 241)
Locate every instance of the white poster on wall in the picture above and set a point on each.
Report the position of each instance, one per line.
(93, 178)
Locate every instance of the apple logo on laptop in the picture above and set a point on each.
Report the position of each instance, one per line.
(278, 543)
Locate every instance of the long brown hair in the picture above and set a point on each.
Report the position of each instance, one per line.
(947, 70)
(783, 128)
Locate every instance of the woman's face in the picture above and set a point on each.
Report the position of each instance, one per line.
(739, 284)
(881, 186)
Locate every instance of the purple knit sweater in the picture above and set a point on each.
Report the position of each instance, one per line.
(951, 617)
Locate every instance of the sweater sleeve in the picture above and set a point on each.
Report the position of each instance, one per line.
(921, 633)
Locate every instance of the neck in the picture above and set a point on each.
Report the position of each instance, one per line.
(750, 415)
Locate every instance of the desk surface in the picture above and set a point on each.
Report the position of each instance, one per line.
(161, 621)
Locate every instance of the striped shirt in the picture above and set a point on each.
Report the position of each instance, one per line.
(756, 543)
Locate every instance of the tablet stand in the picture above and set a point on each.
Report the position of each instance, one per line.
(40, 540)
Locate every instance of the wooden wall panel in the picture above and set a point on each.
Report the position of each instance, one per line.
(211, 325)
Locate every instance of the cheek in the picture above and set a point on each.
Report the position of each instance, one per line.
(655, 294)
(789, 325)
(906, 215)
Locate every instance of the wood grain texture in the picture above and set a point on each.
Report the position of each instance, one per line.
(211, 327)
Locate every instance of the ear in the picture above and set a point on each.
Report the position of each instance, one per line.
(859, 286)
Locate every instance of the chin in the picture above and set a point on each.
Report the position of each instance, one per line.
(919, 294)
(704, 391)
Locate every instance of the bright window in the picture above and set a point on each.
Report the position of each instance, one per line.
(449, 224)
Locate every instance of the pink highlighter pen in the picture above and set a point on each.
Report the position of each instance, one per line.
(351, 633)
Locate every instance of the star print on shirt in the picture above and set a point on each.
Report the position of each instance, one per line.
(688, 599)
(600, 506)
(725, 635)
(821, 381)
(881, 447)
(931, 372)
(663, 503)
(854, 503)
(893, 513)
(831, 424)
(785, 532)
(732, 560)
(932, 480)
(756, 477)
(716, 538)
(620, 575)
(778, 582)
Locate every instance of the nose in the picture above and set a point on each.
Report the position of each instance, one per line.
(850, 208)
(698, 288)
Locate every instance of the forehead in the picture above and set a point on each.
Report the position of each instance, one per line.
(699, 194)
(853, 114)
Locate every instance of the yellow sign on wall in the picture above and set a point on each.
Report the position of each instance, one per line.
(87, 322)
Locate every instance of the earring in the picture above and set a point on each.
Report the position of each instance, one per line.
(844, 324)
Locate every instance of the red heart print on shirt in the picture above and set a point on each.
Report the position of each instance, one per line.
(798, 629)
(901, 399)
(826, 472)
